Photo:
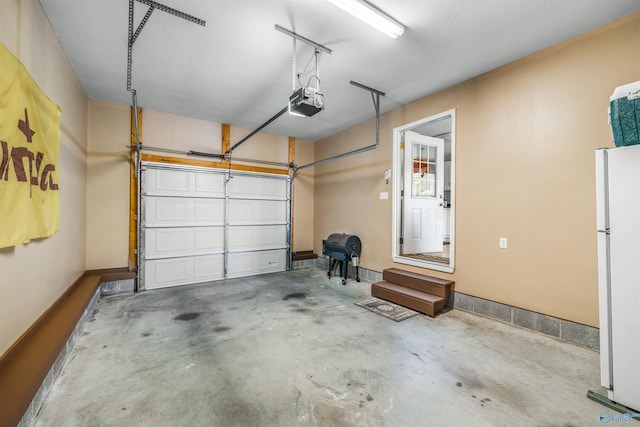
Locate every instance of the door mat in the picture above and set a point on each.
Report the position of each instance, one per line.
(387, 309)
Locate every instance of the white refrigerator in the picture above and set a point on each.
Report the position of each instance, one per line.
(618, 220)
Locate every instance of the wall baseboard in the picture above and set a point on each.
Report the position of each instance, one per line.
(29, 416)
(565, 330)
(29, 367)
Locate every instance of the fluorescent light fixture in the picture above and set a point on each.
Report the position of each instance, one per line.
(372, 16)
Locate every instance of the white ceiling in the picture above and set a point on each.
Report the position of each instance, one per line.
(238, 69)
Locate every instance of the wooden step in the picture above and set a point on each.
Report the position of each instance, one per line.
(419, 282)
(300, 255)
(423, 302)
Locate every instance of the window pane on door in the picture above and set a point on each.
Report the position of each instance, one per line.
(423, 179)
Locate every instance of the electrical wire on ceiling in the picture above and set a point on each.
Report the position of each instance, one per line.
(299, 75)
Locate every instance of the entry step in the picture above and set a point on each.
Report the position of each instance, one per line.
(416, 291)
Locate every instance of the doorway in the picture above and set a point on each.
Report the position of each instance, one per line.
(424, 189)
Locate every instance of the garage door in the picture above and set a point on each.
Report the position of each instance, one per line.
(200, 226)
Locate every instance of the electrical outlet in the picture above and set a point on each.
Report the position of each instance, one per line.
(503, 243)
(384, 195)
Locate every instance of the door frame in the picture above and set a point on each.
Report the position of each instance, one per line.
(397, 205)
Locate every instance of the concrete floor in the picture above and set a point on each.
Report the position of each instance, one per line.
(292, 349)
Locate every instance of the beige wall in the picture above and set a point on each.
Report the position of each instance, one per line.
(108, 175)
(34, 275)
(108, 186)
(526, 135)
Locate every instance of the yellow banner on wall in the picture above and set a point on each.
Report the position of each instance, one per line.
(29, 146)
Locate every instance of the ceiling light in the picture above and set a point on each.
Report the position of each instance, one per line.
(372, 16)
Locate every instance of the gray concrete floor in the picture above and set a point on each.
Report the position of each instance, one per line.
(292, 349)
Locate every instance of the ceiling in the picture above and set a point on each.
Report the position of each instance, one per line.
(238, 69)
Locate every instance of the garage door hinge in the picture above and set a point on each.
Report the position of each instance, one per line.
(135, 251)
(401, 241)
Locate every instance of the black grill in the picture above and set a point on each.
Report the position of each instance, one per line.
(342, 249)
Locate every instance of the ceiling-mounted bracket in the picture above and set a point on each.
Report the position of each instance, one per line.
(133, 36)
(297, 36)
(375, 97)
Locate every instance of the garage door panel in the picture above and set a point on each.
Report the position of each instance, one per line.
(210, 239)
(250, 238)
(254, 212)
(183, 241)
(161, 210)
(208, 268)
(242, 264)
(161, 273)
(209, 184)
(255, 187)
(162, 181)
(162, 241)
(209, 211)
(183, 183)
(183, 211)
(167, 272)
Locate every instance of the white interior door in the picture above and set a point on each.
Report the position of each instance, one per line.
(423, 205)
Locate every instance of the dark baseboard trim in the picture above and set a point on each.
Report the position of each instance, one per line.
(565, 330)
(27, 363)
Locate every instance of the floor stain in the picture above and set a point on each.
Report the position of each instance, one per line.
(329, 415)
(295, 295)
(221, 329)
(187, 316)
(485, 400)
(458, 384)
(418, 356)
(146, 334)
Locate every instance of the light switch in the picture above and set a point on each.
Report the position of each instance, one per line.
(384, 195)
(503, 243)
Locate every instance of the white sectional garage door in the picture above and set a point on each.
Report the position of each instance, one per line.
(200, 226)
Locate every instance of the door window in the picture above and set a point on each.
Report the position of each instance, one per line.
(423, 180)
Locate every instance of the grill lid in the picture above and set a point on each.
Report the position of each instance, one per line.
(343, 243)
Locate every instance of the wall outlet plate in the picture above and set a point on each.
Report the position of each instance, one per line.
(502, 243)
